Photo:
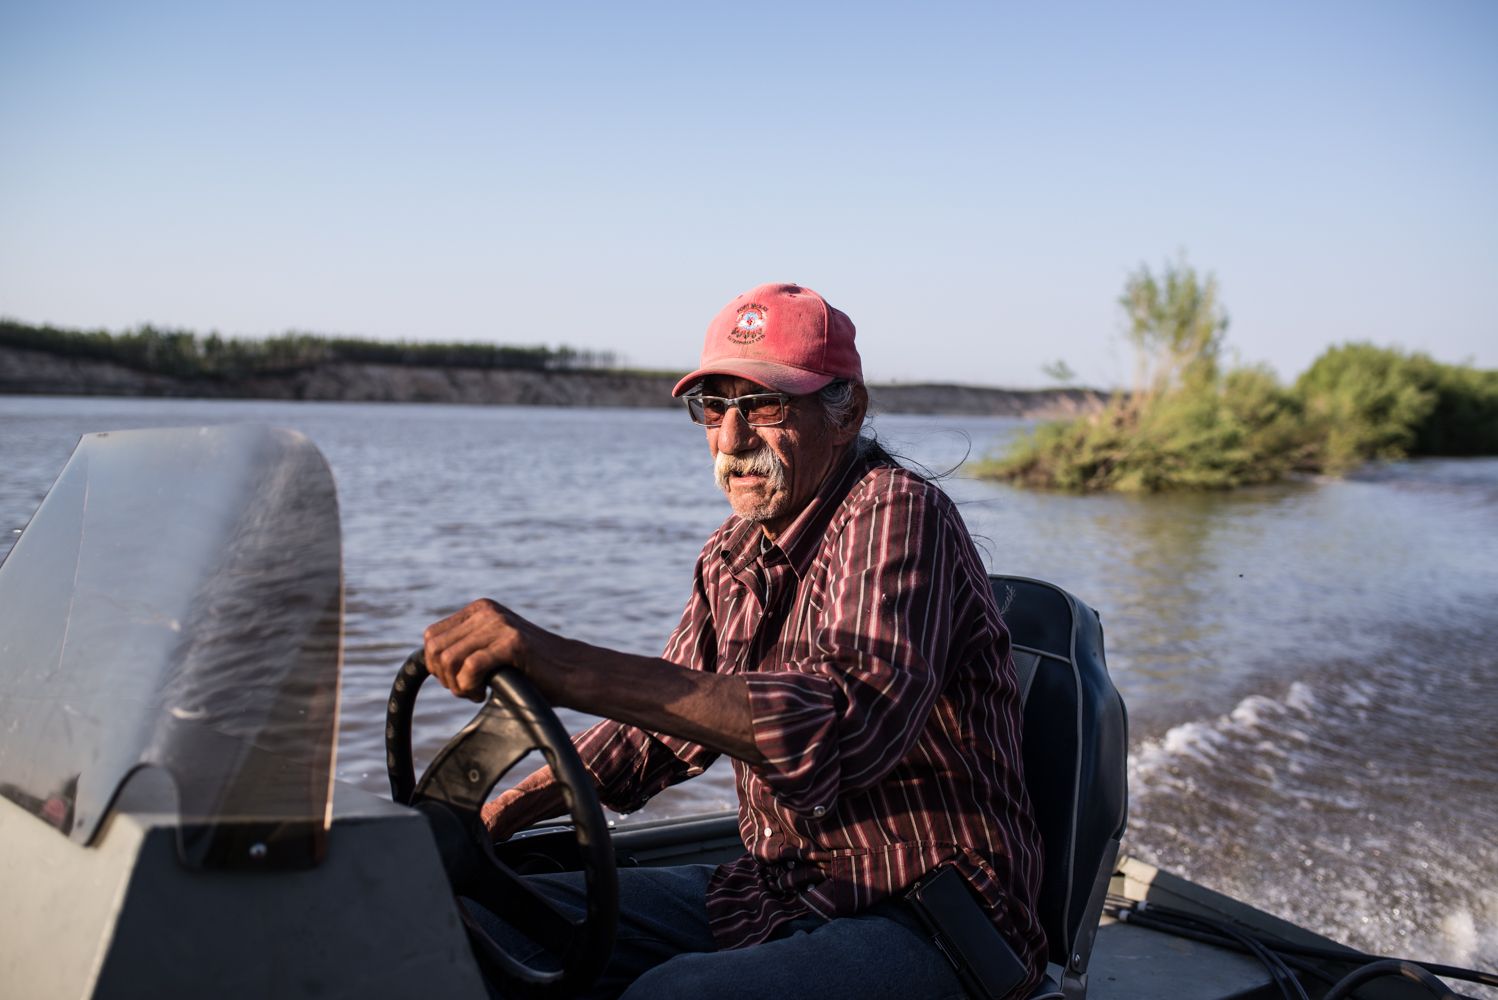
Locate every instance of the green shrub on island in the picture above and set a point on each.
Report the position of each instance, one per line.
(183, 354)
(1189, 424)
(1364, 402)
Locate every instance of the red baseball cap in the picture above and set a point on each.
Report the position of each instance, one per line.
(784, 336)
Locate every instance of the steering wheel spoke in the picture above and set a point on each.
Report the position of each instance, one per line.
(514, 900)
(473, 761)
(514, 721)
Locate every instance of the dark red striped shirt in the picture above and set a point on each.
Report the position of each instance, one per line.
(884, 701)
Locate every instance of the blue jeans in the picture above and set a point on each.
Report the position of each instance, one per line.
(665, 948)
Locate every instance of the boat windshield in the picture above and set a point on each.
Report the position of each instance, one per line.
(176, 603)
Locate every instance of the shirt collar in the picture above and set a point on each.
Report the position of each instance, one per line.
(800, 541)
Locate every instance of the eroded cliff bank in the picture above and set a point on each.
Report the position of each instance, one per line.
(27, 372)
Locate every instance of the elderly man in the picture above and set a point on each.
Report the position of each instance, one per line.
(842, 646)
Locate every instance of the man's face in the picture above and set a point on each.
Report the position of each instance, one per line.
(805, 447)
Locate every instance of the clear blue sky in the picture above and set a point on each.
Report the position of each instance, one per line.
(970, 182)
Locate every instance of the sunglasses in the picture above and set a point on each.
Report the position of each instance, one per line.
(760, 409)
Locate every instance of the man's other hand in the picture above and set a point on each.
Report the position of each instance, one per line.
(536, 798)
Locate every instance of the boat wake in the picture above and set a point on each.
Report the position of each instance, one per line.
(1360, 804)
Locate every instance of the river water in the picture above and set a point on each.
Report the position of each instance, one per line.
(1311, 668)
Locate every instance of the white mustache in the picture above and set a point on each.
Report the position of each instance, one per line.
(759, 462)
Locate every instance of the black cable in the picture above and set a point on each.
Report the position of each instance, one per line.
(1312, 971)
(1449, 971)
(1277, 970)
(1391, 967)
(1218, 941)
(1170, 921)
(1272, 961)
(1285, 980)
(1348, 957)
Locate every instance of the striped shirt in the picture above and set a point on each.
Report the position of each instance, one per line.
(883, 699)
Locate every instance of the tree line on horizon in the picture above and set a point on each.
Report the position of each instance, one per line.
(1192, 422)
(184, 354)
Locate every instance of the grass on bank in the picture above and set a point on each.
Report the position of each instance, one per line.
(183, 354)
(1192, 423)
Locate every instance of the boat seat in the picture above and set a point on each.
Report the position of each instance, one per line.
(1048, 988)
(1075, 749)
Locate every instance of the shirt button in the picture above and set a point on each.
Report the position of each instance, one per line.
(819, 812)
(769, 832)
(790, 864)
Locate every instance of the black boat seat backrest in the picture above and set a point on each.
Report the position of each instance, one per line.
(1075, 750)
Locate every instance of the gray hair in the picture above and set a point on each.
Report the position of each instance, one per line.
(838, 399)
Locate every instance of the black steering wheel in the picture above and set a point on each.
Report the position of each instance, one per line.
(513, 721)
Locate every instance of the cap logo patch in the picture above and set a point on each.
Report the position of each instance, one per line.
(750, 328)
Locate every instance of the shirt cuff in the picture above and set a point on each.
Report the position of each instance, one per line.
(630, 766)
(794, 717)
(614, 754)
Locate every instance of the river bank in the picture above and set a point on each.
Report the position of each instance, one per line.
(31, 372)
